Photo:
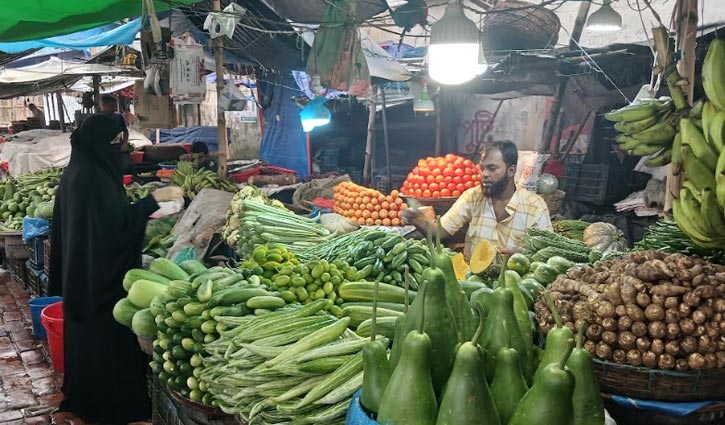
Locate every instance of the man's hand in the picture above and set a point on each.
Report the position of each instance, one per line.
(507, 251)
(169, 193)
(410, 216)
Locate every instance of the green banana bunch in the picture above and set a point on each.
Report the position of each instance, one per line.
(646, 128)
(694, 138)
(713, 73)
(697, 219)
(638, 111)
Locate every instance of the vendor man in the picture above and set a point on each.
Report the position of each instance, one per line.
(200, 157)
(496, 210)
(37, 114)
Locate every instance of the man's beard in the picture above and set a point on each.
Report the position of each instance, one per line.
(496, 188)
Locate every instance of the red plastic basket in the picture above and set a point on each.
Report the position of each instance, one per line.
(52, 319)
(243, 176)
(137, 157)
(127, 179)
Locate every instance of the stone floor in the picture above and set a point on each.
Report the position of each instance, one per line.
(29, 387)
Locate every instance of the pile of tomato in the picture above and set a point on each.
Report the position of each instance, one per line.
(441, 177)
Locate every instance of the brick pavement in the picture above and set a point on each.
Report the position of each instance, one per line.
(29, 387)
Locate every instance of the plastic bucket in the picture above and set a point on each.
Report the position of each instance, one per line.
(36, 307)
(137, 157)
(52, 319)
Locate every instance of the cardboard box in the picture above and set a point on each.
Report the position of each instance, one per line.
(153, 111)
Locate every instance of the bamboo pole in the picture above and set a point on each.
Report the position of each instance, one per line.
(221, 121)
(385, 139)
(370, 144)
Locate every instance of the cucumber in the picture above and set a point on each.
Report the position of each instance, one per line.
(266, 302)
(168, 269)
(137, 274)
(192, 266)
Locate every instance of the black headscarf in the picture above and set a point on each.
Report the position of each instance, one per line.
(96, 237)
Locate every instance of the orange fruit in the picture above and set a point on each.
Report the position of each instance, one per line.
(386, 222)
(395, 222)
(369, 221)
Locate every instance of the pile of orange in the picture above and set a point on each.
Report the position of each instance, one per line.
(165, 174)
(442, 177)
(368, 206)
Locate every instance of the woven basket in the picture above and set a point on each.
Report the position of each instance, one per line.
(516, 25)
(554, 201)
(662, 385)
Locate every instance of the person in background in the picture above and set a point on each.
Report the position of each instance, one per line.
(97, 236)
(200, 157)
(37, 114)
(496, 210)
(109, 106)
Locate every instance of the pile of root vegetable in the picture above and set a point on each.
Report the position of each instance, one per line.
(651, 309)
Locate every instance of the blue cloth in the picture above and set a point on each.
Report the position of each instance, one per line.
(284, 143)
(107, 35)
(206, 134)
(675, 409)
(355, 413)
(34, 227)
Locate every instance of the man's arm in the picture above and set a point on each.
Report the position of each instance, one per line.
(422, 223)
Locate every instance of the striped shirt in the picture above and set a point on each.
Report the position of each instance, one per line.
(525, 209)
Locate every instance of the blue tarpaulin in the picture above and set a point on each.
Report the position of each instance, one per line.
(284, 143)
(206, 134)
(107, 35)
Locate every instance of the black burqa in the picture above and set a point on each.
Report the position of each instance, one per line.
(96, 237)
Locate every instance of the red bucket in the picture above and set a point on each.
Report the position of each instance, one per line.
(127, 179)
(137, 157)
(52, 319)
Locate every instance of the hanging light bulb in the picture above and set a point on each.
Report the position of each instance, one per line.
(453, 53)
(315, 114)
(605, 19)
(424, 103)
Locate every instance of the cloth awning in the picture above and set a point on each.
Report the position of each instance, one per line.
(36, 19)
(53, 68)
(106, 35)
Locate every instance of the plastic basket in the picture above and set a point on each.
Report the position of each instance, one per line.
(383, 185)
(46, 256)
(17, 270)
(16, 248)
(33, 281)
(52, 319)
(37, 252)
(36, 307)
(585, 182)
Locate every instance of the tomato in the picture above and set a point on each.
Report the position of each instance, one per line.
(442, 163)
(448, 172)
(417, 186)
(426, 193)
(468, 163)
(433, 186)
(418, 193)
(468, 184)
(445, 192)
(424, 186)
(457, 180)
(436, 194)
(458, 172)
(458, 162)
(456, 193)
(468, 171)
(436, 172)
(448, 179)
(421, 163)
(430, 179)
(423, 171)
(459, 188)
(451, 187)
(450, 157)
(477, 183)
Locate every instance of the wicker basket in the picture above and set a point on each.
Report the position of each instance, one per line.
(713, 414)
(519, 25)
(661, 385)
(554, 201)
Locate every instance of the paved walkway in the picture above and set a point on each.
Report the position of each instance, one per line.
(28, 384)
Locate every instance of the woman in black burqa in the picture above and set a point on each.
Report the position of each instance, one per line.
(96, 237)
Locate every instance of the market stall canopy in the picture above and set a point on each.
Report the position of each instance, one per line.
(106, 35)
(54, 68)
(35, 19)
(108, 84)
(311, 11)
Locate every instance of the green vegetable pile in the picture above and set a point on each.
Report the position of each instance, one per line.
(540, 245)
(665, 236)
(135, 192)
(572, 229)
(158, 239)
(29, 195)
(194, 181)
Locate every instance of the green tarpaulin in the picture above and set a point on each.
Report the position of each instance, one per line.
(22, 20)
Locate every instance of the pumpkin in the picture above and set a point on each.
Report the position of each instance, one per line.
(482, 256)
(460, 267)
(604, 237)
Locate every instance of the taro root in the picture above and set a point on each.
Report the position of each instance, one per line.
(710, 361)
(692, 299)
(603, 351)
(681, 365)
(699, 331)
(619, 356)
(658, 299)
(658, 346)
(605, 309)
(657, 329)
(649, 359)
(687, 326)
(696, 361)
(719, 305)
(672, 316)
(672, 302)
(627, 340)
(654, 313)
(720, 359)
(590, 346)
(688, 344)
(628, 291)
(672, 348)
(644, 344)
(635, 313)
(609, 324)
(639, 329)
(712, 330)
(699, 280)
(609, 337)
(620, 310)
(634, 358)
(673, 331)
(705, 292)
(625, 323)
(643, 300)
(594, 332)
(707, 310)
(699, 317)
(666, 362)
(722, 327)
(705, 344)
(685, 310)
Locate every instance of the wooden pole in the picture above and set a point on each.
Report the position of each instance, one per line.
(576, 33)
(97, 93)
(61, 113)
(385, 139)
(221, 121)
(438, 111)
(370, 144)
(687, 42)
